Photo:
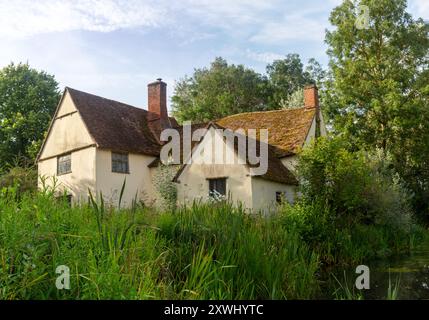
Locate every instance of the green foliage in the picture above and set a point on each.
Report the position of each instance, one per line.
(140, 255)
(252, 256)
(335, 177)
(27, 101)
(22, 180)
(352, 206)
(378, 93)
(295, 100)
(349, 243)
(221, 90)
(166, 188)
(288, 76)
(189, 254)
(377, 71)
(356, 187)
(225, 89)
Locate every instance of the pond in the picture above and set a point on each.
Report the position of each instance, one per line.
(408, 276)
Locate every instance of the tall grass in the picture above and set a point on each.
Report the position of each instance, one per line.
(207, 251)
(250, 256)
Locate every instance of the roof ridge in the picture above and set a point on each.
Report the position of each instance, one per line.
(107, 99)
(263, 111)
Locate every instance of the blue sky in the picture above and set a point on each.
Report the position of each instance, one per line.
(113, 48)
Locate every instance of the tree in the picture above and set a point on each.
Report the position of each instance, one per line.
(295, 100)
(218, 91)
(378, 92)
(315, 72)
(28, 99)
(225, 89)
(288, 77)
(375, 70)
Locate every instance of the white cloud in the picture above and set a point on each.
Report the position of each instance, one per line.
(262, 21)
(27, 17)
(293, 27)
(226, 13)
(266, 57)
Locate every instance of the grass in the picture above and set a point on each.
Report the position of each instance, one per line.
(201, 252)
(346, 292)
(393, 289)
(139, 254)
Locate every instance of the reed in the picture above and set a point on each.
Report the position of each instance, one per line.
(205, 251)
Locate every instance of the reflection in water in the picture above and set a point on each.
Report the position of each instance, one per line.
(411, 270)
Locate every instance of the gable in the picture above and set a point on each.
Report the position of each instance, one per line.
(210, 170)
(67, 131)
(312, 130)
(276, 171)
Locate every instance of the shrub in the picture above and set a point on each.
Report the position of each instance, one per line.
(167, 189)
(21, 179)
(356, 187)
(388, 201)
(352, 206)
(335, 177)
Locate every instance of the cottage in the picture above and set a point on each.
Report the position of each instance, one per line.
(94, 144)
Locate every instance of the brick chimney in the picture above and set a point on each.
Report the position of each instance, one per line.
(311, 96)
(157, 98)
(311, 100)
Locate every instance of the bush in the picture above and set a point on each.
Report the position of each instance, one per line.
(353, 206)
(334, 177)
(20, 179)
(166, 188)
(354, 187)
(346, 244)
(388, 202)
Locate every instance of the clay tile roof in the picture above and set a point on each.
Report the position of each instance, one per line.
(124, 128)
(288, 128)
(277, 171)
(118, 126)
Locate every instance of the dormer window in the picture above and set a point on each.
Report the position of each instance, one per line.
(120, 163)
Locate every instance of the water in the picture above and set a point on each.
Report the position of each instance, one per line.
(411, 272)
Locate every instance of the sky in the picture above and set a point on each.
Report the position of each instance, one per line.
(114, 48)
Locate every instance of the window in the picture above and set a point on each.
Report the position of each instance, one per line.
(280, 197)
(120, 163)
(64, 164)
(217, 186)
